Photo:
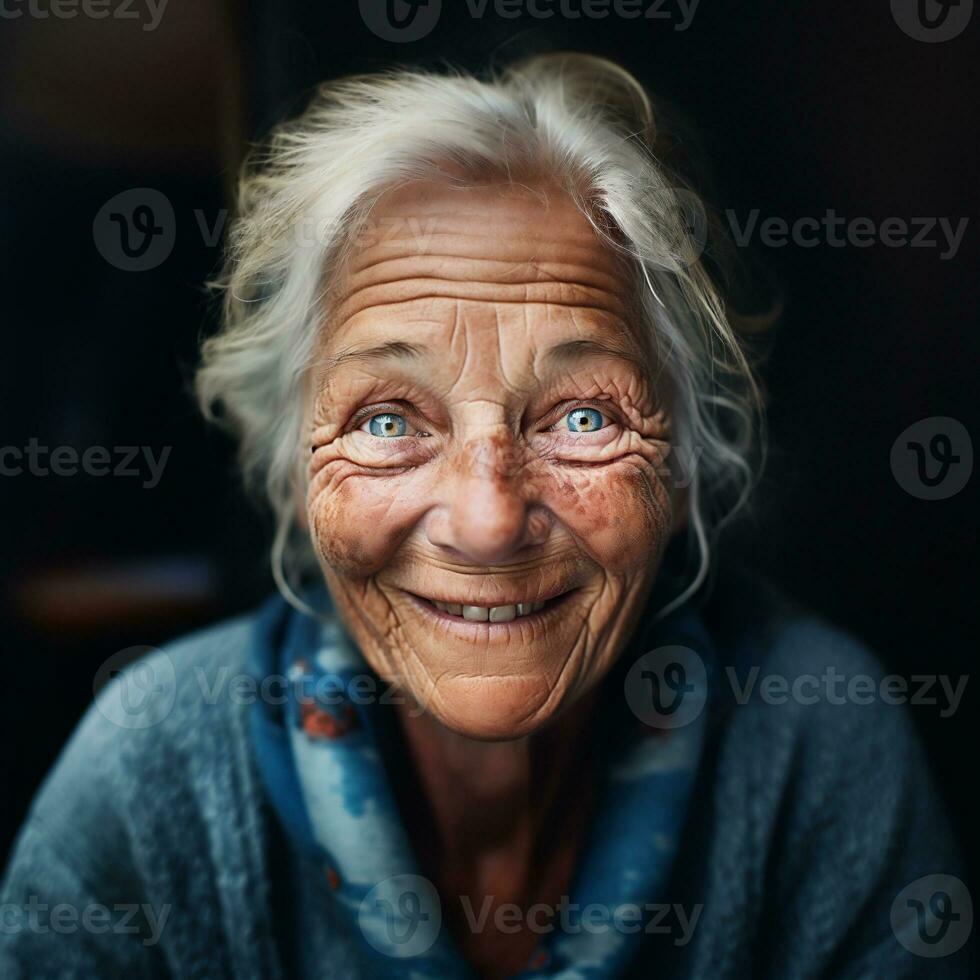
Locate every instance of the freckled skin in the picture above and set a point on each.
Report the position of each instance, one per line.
(488, 496)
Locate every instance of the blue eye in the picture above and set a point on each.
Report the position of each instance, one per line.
(584, 420)
(387, 425)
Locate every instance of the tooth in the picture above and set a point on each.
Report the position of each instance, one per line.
(538, 605)
(476, 614)
(439, 605)
(455, 608)
(503, 614)
(523, 608)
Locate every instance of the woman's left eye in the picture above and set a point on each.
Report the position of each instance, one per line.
(387, 425)
(584, 420)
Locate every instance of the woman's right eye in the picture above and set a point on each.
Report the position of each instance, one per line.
(387, 425)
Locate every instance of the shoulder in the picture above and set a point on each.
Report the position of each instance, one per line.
(162, 734)
(820, 807)
(169, 698)
(154, 806)
(774, 651)
(807, 693)
(817, 752)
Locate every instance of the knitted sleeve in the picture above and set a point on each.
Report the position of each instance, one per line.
(862, 877)
(72, 903)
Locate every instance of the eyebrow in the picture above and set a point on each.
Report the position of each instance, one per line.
(571, 351)
(397, 349)
(567, 353)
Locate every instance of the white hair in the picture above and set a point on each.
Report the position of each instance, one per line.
(576, 120)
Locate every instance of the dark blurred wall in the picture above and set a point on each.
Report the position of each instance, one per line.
(799, 110)
(97, 356)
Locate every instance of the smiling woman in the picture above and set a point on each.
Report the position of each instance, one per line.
(402, 195)
(511, 453)
(503, 674)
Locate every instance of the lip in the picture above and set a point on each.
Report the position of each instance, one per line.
(552, 606)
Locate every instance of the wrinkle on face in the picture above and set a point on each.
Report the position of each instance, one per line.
(507, 313)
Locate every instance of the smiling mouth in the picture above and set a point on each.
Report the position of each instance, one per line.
(506, 613)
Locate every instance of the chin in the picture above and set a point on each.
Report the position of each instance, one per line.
(494, 709)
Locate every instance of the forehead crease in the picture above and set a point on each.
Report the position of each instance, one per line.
(388, 298)
(501, 245)
(442, 321)
(484, 237)
(510, 344)
(585, 267)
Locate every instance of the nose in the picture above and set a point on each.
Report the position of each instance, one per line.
(489, 514)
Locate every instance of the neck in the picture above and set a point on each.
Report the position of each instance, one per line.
(493, 803)
(499, 823)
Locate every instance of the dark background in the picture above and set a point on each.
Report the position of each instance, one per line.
(798, 111)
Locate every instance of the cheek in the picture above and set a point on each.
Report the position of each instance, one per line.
(620, 512)
(358, 522)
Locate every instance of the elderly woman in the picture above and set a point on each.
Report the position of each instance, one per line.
(494, 725)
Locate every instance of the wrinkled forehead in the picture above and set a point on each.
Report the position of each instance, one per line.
(489, 264)
(475, 287)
